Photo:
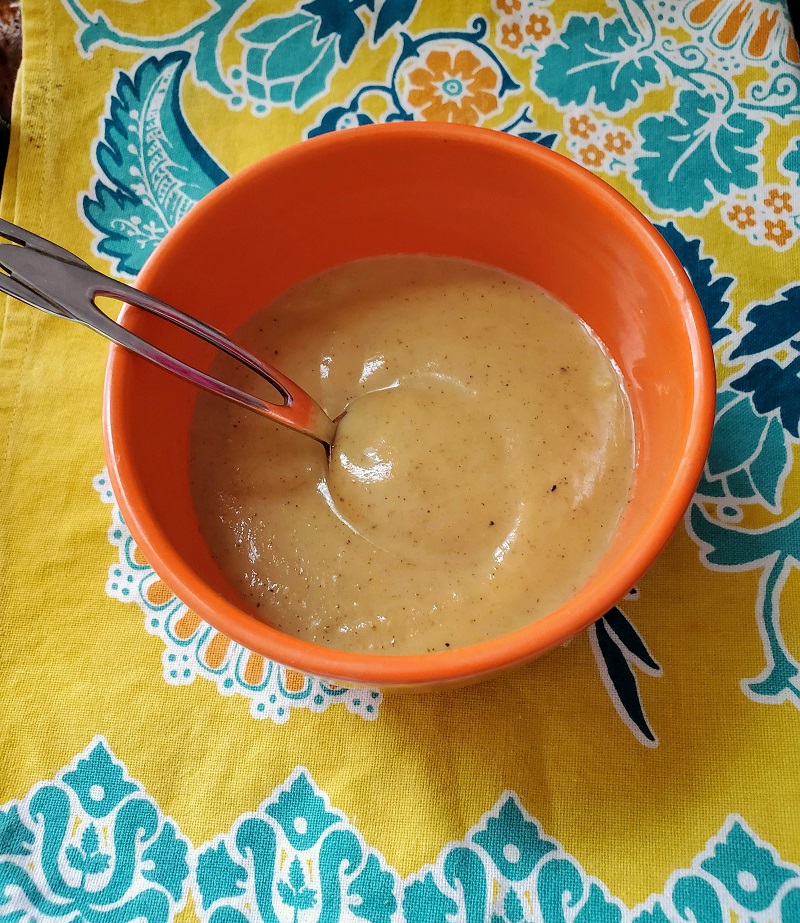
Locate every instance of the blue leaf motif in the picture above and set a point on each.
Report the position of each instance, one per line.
(338, 118)
(749, 456)
(630, 639)
(296, 53)
(392, 13)
(699, 152)
(524, 126)
(770, 467)
(268, 31)
(602, 65)
(514, 843)
(88, 858)
(748, 871)
(728, 546)
(152, 167)
(612, 654)
(738, 431)
(773, 386)
(337, 18)
(99, 782)
(771, 325)
(540, 137)
(97, 863)
(712, 290)
(297, 878)
(314, 82)
(218, 876)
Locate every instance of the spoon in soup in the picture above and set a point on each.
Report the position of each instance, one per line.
(52, 279)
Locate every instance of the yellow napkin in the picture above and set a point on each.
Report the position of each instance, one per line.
(647, 770)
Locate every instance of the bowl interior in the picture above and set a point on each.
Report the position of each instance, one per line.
(413, 189)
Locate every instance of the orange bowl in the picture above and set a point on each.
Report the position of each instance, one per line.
(413, 188)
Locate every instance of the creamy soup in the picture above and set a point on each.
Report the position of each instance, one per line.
(476, 479)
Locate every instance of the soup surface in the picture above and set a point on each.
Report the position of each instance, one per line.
(476, 479)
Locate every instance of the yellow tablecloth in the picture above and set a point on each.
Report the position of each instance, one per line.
(648, 770)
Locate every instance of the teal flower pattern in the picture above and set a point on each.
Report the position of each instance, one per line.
(91, 846)
(514, 843)
(99, 782)
(331, 872)
(285, 61)
(703, 151)
(298, 859)
(301, 813)
(751, 874)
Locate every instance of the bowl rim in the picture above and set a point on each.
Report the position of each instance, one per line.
(487, 657)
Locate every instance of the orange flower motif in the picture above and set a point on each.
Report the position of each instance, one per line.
(592, 156)
(617, 142)
(777, 231)
(538, 27)
(582, 126)
(742, 216)
(511, 35)
(508, 6)
(778, 201)
(453, 88)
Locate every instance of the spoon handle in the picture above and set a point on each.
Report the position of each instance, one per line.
(56, 281)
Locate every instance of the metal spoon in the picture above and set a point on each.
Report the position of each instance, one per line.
(52, 279)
